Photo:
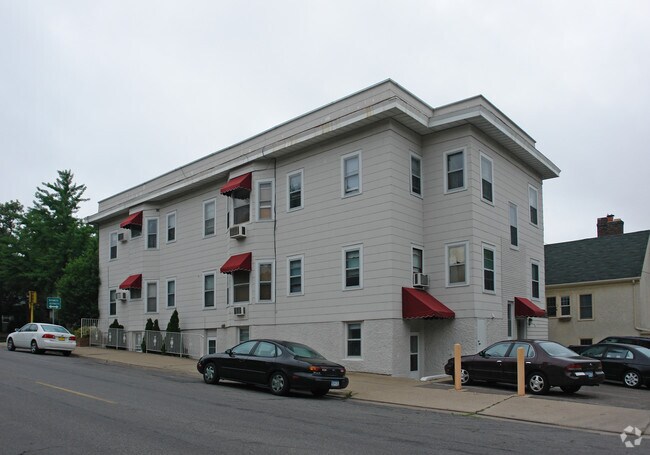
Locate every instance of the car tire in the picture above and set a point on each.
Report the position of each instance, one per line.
(210, 373)
(465, 378)
(570, 388)
(537, 383)
(10, 344)
(320, 392)
(632, 379)
(34, 348)
(278, 383)
(67, 353)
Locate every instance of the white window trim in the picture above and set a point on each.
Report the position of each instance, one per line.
(110, 246)
(114, 291)
(539, 280)
(146, 296)
(559, 312)
(146, 236)
(231, 290)
(482, 156)
(513, 247)
(343, 159)
(207, 345)
(531, 187)
(346, 327)
(167, 292)
(593, 313)
(467, 270)
(302, 190)
(300, 257)
(206, 202)
(214, 295)
(419, 158)
(487, 246)
(345, 249)
(258, 263)
(258, 183)
(446, 170)
(175, 227)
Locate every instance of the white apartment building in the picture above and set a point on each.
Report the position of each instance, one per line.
(376, 229)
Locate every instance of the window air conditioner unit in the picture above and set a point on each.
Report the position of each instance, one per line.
(121, 295)
(420, 280)
(239, 311)
(238, 232)
(121, 237)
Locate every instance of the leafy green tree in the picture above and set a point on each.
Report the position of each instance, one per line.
(13, 287)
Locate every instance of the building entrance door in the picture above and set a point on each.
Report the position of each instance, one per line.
(414, 356)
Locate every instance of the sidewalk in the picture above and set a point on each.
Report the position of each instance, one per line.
(410, 392)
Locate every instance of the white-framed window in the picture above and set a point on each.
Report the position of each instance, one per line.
(212, 345)
(488, 268)
(265, 281)
(534, 284)
(565, 305)
(152, 233)
(209, 217)
(454, 171)
(510, 317)
(514, 234)
(240, 283)
(112, 246)
(456, 258)
(295, 274)
(533, 199)
(171, 292)
(112, 302)
(171, 227)
(295, 190)
(586, 307)
(352, 267)
(551, 307)
(265, 198)
(244, 334)
(416, 175)
(353, 340)
(417, 255)
(351, 174)
(487, 183)
(209, 289)
(151, 288)
(241, 210)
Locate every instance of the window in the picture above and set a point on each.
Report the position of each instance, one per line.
(265, 207)
(586, 308)
(152, 233)
(244, 348)
(209, 217)
(212, 345)
(509, 309)
(294, 183)
(112, 302)
(457, 263)
(414, 353)
(171, 226)
(351, 165)
(488, 269)
(113, 246)
(532, 201)
(528, 350)
(265, 349)
(352, 267)
(241, 210)
(353, 331)
(514, 238)
(486, 179)
(551, 306)
(565, 305)
(416, 254)
(454, 171)
(416, 175)
(498, 350)
(534, 270)
(586, 341)
(171, 293)
(152, 297)
(265, 279)
(208, 290)
(295, 273)
(240, 286)
(244, 334)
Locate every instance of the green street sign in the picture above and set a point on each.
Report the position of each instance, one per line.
(54, 303)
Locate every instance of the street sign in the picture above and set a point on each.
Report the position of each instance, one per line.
(54, 303)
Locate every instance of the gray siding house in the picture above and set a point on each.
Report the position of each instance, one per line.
(376, 229)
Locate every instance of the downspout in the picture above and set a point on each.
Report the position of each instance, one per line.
(634, 309)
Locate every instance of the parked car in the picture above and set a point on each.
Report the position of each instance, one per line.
(280, 365)
(622, 362)
(547, 364)
(40, 337)
(638, 341)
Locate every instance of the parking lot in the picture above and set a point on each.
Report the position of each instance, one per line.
(607, 394)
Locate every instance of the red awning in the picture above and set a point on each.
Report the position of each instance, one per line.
(238, 262)
(132, 220)
(239, 187)
(526, 308)
(419, 304)
(132, 282)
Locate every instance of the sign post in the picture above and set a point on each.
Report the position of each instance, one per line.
(53, 303)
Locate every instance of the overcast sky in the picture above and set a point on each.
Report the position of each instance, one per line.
(122, 91)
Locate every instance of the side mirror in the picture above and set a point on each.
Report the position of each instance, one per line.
(229, 352)
(482, 354)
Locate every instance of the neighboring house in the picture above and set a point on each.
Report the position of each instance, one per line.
(376, 229)
(599, 287)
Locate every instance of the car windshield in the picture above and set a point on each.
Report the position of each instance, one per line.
(53, 328)
(556, 350)
(300, 350)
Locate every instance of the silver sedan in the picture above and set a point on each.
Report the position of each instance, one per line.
(40, 337)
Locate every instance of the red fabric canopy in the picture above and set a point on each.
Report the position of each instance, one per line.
(132, 220)
(419, 304)
(239, 187)
(238, 262)
(526, 308)
(132, 282)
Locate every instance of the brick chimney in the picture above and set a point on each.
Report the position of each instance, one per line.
(609, 226)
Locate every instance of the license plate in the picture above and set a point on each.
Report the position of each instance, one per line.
(590, 374)
(61, 338)
(334, 383)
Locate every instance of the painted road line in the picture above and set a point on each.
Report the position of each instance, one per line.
(85, 395)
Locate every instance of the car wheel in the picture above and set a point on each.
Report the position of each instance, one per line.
(632, 379)
(34, 348)
(279, 383)
(538, 384)
(67, 353)
(570, 388)
(10, 344)
(210, 374)
(464, 377)
(320, 392)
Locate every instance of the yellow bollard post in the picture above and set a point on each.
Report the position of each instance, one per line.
(521, 373)
(457, 366)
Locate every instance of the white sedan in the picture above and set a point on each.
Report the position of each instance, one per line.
(39, 337)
